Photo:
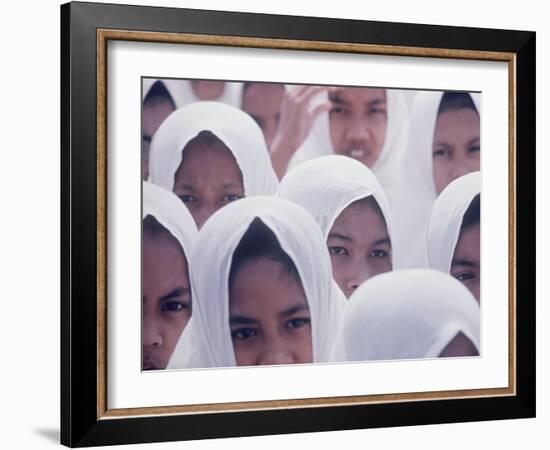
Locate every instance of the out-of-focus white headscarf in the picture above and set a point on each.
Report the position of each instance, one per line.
(406, 314)
(325, 186)
(319, 142)
(415, 191)
(446, 219)
(206, 342)
(236, 129)
(172, 214)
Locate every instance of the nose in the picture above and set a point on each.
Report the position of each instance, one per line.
(463, 167)
(152, 337)
(357, 131)
(276, 351)
(202, 214)
(359, 274)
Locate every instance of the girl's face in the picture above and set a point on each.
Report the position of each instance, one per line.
(207, 179)
(465, 265)
(263, 102)
(460, 345)
(154, 113)
(358, 121)
(208, 90)
(359, 247)
(166, 298)
(456, 145)
(269, 316)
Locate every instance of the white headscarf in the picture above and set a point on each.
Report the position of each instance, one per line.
(325, 186)
(446, 219)
(415, 192)
(172, 214)
(206, 342)
(319, 142)
(404, 315)
(236, 129)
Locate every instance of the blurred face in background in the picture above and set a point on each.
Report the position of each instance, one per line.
(358, 120)
(359, 246)
(263, 102)
(166, 298)
(208, 90)
(269, 315)
(155, 111)
(456, 145)
(208, 178)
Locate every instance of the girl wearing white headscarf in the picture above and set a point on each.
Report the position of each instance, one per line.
(446, 228)
(408, 314)
(239, 164)
(208, 341)
(319, 141)
(326, 187)
(419, 182)
(169, 234)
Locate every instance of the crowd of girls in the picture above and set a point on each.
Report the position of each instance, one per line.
(297, 224)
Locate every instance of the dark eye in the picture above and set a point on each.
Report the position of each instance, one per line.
(337, 110)
(187, 198)
(464, 276)
(373, 111)
(337, 251)
(244, 333)
(298, 322)
(378, 253)
(231, 197)
(474, 148)
(172, 306)
(441, 153)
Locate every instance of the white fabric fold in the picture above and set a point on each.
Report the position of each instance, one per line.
(406, 314)
(446, 219)
(236, 129)
(206, 342)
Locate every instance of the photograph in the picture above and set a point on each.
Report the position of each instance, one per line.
(276, 228)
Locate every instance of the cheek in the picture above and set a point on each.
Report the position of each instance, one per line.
(302, 343)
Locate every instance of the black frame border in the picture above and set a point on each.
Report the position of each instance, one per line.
(79, 423)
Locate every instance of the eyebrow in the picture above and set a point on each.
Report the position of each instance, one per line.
(231, 185)
(382, 241)
(178, 292)
(241, 320)
(187, 187)
(343, 237)
(335, 98)
(293, 310)
(473, 140)
(462, 262)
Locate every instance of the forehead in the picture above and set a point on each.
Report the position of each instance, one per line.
(263, 287)
(359, 219)
(468, 243)
(213, 162)
(163, 259)
(358, 95)
(463, 120)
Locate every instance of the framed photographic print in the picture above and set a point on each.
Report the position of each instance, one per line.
(273, 224)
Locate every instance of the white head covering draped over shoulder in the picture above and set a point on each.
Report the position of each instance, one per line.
(446, 219)
(319, 142)
(404, 315)
(236, 129)
(325, 186)
(206, 342)
(416, 192)
(172, 214)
